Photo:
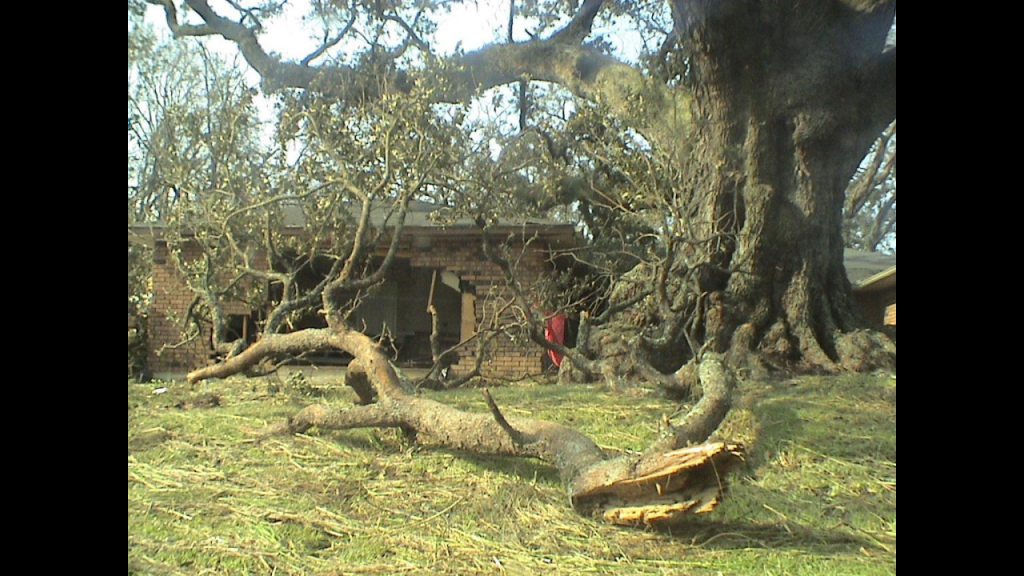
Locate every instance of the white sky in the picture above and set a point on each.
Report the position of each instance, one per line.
(469, 26)
(472, 24)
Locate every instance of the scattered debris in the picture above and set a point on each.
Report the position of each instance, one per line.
(203, 401)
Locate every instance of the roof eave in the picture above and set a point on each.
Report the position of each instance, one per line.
(563, 235)
(878, 281)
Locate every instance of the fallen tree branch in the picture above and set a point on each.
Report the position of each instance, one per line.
(661, 487)
(269, 345)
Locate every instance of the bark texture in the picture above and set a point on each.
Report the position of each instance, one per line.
(795, 94)
(787, 99)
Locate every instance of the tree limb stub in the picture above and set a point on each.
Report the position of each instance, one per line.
(515, 435)
(663, 490)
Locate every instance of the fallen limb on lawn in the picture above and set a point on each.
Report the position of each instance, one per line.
(660, 487)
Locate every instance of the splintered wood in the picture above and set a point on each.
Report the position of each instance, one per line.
(670, 486)
(664, 511)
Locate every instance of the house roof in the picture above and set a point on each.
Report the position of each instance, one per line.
(869, 271)
(422, 219)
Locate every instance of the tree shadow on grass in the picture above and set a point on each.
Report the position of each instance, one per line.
(849, 419)
(523, 468)
(821, 452)
(743, 536)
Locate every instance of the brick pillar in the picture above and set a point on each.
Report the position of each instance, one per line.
(171, 299)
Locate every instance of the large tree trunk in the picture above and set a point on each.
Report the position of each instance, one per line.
(786, 106)
(783, 91)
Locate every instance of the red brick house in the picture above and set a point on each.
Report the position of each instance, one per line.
(874, 284)
(446, 262)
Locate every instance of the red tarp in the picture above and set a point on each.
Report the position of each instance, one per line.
(554, 331)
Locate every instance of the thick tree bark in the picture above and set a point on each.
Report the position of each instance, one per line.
(789, 122)
(788, 98)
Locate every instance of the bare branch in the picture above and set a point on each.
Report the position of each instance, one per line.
(511, 21)
(515, 435)
(483, 343)
(882, 165)
(582, 23)
(583, 70)
(339, 81)
(702, 421)
(181, 30)
(269, 345)
(333, 41)
(883, 224)
(535, 324)
(413, 36)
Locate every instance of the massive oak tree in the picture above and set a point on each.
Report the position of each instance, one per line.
(710, 178)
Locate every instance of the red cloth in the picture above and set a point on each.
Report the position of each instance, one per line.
(554, 331)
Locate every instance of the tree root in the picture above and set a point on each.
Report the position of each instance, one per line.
(865, 351)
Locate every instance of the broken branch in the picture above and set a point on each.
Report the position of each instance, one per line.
(515, 435)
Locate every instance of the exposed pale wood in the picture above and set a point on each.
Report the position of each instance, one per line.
(468, 329)
(662, 489)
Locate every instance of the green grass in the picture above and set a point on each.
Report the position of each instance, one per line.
(205, 497)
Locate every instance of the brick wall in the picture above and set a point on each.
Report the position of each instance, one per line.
(464, 257)
(461, 256)
(171, 300)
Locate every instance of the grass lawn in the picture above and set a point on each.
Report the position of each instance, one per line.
(205, 497)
